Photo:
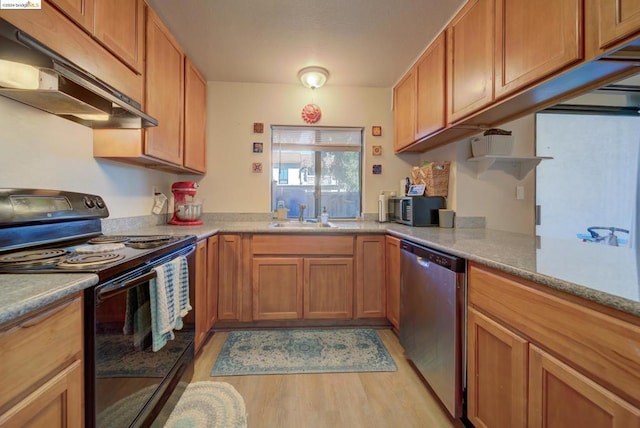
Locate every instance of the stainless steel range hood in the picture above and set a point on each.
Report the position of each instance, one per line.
(35, 75)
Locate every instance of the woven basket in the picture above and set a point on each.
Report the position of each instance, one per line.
(435, 177)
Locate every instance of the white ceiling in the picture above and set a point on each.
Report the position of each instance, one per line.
(361, 42)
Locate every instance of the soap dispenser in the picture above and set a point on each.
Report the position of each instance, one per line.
(324, 216)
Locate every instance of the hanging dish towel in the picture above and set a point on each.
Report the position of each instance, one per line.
(169, 293)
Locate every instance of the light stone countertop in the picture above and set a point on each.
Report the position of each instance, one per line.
(606, 275)
(25, 293)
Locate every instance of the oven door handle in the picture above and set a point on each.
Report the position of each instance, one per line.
(108, 292)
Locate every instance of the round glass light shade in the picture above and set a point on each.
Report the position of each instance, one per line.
(313, 77)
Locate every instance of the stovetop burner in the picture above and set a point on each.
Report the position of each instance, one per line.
(81, 261)
(152, 241)
(31, 258)
(108, 239)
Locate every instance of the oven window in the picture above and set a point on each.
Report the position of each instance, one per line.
(128, 372)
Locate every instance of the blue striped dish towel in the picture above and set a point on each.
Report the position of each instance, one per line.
(169, 293)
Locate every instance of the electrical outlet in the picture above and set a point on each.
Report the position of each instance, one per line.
(520, 192)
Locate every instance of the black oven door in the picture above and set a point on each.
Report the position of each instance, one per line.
(127, 383)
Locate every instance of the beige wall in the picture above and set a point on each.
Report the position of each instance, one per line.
(493, 195)
(231, 186)
(43, 151)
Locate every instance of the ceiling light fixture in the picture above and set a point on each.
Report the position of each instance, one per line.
(313, 77)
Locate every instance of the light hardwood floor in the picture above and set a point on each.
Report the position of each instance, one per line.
(387, 399)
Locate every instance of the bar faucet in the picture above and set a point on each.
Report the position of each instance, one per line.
(301, 208)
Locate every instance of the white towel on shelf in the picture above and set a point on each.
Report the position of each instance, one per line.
(169, 293)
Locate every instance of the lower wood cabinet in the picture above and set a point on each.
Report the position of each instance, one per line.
(560, 396)
(212, 281)
(302, 277)
(539, 358)
(201, 295)
(230, 277)
(392, 273)
(277, 288)
(328, 288)
(370, 287)
(42, 369)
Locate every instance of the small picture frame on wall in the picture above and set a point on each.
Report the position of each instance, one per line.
(258, 127)
(376, 150)
(257, 147)
(377, 169)
(256, 167)
(376, 131)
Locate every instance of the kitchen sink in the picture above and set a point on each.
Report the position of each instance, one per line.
(301, 225)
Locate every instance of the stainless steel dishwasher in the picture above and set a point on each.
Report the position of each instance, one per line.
(432, 319)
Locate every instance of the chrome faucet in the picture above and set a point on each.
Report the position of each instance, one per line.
(301, 208)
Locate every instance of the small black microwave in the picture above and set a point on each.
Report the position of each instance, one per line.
(419, 211)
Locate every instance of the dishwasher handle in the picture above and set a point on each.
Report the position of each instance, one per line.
(448, 261)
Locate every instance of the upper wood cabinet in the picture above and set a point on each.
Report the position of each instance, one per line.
(176, 95)
(534, 40)
(404, 111)
(430, 89)
(419, 98)
(195, 118)
(164, 92)
(618, 19)
(119, 25)
(470, 46)
(81, 11)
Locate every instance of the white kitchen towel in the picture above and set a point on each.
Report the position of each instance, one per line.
(169, 293)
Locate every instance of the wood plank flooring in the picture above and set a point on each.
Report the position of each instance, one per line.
(388, 399)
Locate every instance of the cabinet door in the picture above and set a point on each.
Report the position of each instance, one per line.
(393, 280)
(195, 119)
(212, 281)
(328, 288)
(164, 95)
(534, 40)
(277, 288)
(230, 277)
(561, 397)
(431, 95)
(496, 374)
(618, 19)
(404, 111)
(470, 44)
(56, 404)
(119, 25)
(81, 11)
(370, 276)
(201, 294)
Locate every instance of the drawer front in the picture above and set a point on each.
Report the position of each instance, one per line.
(303, 245)
(606, 348)
(36, 349)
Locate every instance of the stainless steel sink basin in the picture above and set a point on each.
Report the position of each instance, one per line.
(301, 225)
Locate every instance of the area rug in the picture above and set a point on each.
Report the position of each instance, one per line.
(209, 405)
(302, 351)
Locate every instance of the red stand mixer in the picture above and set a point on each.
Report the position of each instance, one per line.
(186, 211)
